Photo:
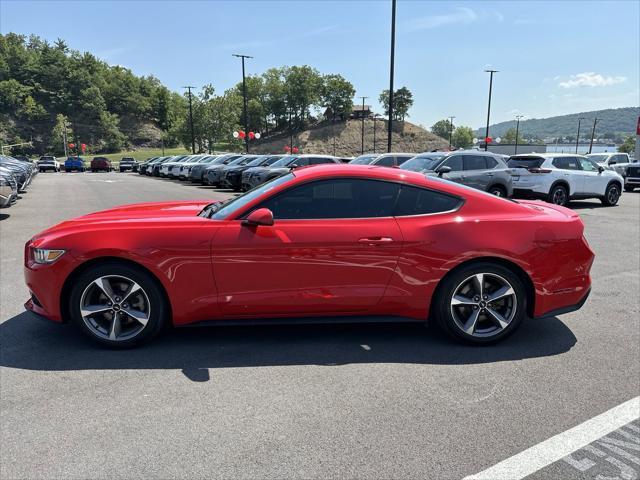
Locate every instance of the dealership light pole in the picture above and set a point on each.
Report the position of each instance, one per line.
(244, 97)
(375, 115)
(578, 134)
(450, 130)
(486, 134)
(393, 51)
(193, 137)
(593, 132)
(362, 132)
(518, 117)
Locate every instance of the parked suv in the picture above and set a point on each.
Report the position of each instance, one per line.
(74, 163)
(128, 163)
(382, 160)
(260, 175)
(558, 178)
(48, 162)
(482, 170)
(99, 164)
(632, 176)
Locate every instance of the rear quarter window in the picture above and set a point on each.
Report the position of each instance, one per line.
(420, 201)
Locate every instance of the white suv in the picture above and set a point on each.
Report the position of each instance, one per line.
(558, 178)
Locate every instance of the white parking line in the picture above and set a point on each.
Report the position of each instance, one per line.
(553, 449)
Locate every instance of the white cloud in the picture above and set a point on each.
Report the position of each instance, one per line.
(461, 15)
(591, 79)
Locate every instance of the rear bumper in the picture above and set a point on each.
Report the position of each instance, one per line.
(529, 193)
(568, 308)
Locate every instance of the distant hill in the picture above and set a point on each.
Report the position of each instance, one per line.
(617, 121)
(320, 138)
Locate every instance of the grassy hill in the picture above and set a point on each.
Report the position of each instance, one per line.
(619, 121)
(320, 138)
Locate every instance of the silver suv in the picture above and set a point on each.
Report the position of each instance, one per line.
(482, 170)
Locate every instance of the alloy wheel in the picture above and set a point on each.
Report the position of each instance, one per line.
(559, 196)
(613, 194)
(483, 305)
(115, 308)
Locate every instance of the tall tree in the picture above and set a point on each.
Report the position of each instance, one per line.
(462, 137)
(442, 128)
(402, 102)
(337, 94)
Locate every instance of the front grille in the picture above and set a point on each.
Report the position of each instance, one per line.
(633, 171)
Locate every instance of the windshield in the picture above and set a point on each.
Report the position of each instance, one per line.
(422, 163)
(283, 162)
(364, 159)
(220, 211)
(256, 162)
(272, 160)
(598, 158)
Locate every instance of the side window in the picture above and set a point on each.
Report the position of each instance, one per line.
(455, 163)
(319, 160)
(491, 162)
(337, 198)
(587, 165)
(474, 162)
(420, 201)
(566, 163)
(385, 162)
(617, 159)
(402, 158)
(301, 162)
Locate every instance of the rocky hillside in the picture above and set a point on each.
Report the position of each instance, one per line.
(347, 138)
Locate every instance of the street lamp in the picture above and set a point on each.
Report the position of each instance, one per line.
(593, 132)
(362, 147)
(486, 135)
(244, 96)
(578, 134)
(450, 130)
(518, 117)
(393, 49)
(193, 137)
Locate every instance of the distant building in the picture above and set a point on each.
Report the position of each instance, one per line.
(359, 111)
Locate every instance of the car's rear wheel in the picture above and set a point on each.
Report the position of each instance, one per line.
(498, 191)
(611, 195)
(481, 303)
(559, 195)
(118, 305)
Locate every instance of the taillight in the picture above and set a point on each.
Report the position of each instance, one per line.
(539, 170)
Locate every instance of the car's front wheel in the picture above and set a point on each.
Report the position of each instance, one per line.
(611, 195)
(118, 305)
(498, 191)
(480, 303)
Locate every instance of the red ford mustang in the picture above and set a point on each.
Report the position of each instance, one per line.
(324, 243)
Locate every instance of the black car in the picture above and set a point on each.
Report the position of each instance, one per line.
(128, 163)
(142, 167)
(198, 172)
(213, 174)
(285, 165)
(232, 174)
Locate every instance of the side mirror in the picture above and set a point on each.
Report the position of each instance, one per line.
(600, 169)
(294, 166)
(442, 170)
(261, 216)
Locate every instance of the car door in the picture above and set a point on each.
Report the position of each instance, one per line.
(594, 182)
(570, 171)
(332, 250)
(474, 171)
(456, 174)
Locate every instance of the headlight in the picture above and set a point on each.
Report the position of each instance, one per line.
(43, 255)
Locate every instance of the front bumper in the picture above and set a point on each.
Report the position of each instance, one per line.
(635, 181)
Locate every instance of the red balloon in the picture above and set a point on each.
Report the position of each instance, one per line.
(242, 134)
(252, 135)
(72, 145)
(287, 148)
(295, 149)
(488, 139)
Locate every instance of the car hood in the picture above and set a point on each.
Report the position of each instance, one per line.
(136, 213)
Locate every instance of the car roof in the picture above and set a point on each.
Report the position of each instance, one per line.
(545, 155)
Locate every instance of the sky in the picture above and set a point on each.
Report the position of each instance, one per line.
(553, 57)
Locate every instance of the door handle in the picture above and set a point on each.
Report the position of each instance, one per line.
(376, 240)
(489, 174)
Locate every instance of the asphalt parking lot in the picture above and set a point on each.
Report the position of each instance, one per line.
(378, 401)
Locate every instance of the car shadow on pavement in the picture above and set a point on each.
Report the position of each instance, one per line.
(581, 205)
(4, 216)
(33, 344)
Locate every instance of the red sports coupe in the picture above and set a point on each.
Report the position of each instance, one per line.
(323, 243)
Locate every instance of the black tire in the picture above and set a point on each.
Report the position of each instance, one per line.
(158, 316)
(66, 170)
(628, 188)
(498, 191)
(611, 195)
(443, 310)
(559, 195)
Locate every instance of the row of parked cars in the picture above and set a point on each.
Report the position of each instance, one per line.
(49, 163)
(15, 176)
(554, 177)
